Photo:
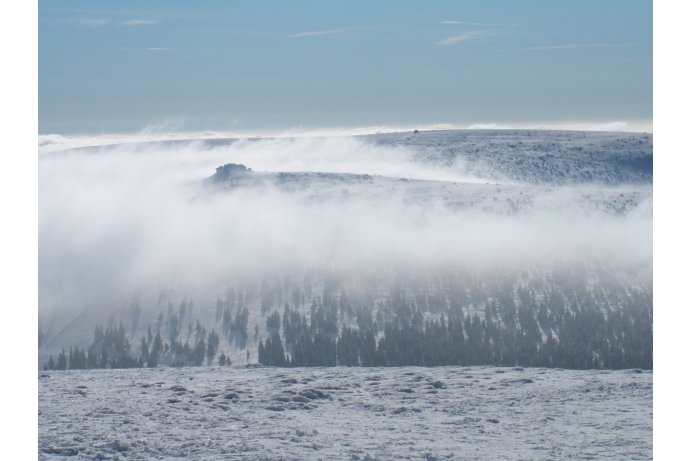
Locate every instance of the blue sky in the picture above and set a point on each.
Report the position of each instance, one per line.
(123, 66)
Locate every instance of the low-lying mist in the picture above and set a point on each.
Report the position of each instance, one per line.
(116, 221)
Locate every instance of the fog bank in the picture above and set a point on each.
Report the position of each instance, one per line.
(137, 217)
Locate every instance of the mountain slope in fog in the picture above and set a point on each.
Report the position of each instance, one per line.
(529, 156)
(499, 198)
(133, 232)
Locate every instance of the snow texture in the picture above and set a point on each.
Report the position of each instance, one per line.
(345, 413)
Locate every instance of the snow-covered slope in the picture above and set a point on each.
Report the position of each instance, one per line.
(481, 197)
(540, 157)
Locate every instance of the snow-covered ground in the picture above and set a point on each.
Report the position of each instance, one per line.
(345, 413)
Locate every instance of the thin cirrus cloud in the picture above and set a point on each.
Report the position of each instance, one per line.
(314, 33)
(575, 46)
(158, 49)
(454, 39)
(140, 22)
(87, 22)
(487, 24)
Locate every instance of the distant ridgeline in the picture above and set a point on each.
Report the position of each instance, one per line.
(458, 319)
(536, 156)
(235, 174)
(231, 173)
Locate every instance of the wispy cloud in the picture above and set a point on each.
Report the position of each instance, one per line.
(87, 22)
(140, 22)
(158, 49)
(483, 24)
(489, 24)
(464, 37)
(575, 46)
(314, 33)
(168, 125)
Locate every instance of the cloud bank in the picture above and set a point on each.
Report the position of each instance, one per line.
(113, 222)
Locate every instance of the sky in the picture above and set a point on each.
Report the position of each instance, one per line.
(128, 66)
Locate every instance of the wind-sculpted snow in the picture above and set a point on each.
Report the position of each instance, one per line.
(345, 413)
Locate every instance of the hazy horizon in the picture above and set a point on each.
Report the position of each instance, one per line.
(165, 130)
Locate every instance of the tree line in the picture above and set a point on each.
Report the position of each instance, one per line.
(585, 338)
(111, 349)
(564, 320)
